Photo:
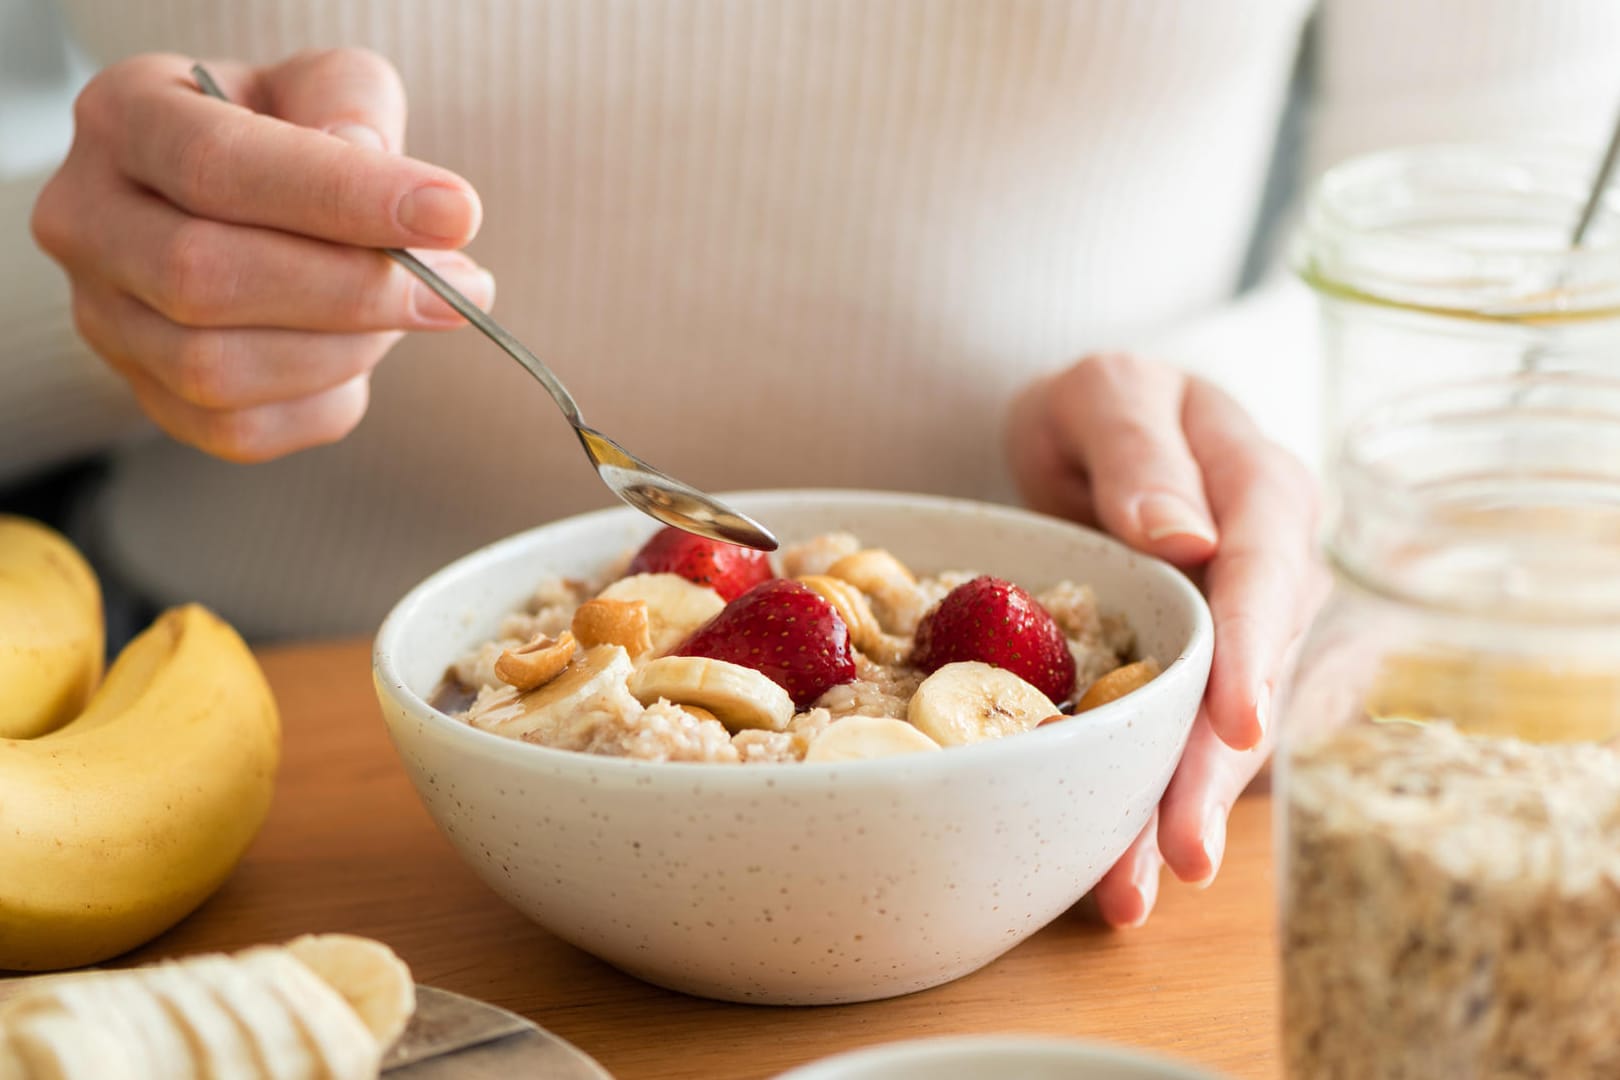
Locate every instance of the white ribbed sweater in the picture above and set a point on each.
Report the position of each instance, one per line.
(772, 243)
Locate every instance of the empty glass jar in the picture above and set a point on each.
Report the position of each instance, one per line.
(1448, 785)
(1441, 263)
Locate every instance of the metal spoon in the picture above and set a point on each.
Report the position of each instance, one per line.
(1533, 356)
(649, 490)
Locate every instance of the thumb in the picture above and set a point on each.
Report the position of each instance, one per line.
(354, 94)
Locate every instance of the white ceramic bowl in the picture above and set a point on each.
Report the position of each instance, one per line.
(801, 884)
(976, 1058)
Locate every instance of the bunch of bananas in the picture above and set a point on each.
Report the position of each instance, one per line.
(125, 801)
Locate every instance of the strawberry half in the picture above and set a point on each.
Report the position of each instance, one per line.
(784, 631)
(996, 622)
(726, 568)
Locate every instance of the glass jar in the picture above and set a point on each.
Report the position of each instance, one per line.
(1440, 263)
(1448, 779)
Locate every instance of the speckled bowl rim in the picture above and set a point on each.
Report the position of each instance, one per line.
(1012, 1050)
(1191, 661)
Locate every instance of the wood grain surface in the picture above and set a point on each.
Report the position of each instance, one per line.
(349, 848)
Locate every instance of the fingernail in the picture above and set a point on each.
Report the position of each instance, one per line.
(359, 135)
(1214, 843)
(437, 212)
(472, 281)
(1146, 888)
(1163, 516)
(1262, 709)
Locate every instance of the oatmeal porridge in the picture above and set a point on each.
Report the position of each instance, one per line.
(703, 652)
(1453, 906)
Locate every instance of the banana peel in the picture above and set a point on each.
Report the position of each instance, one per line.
(51, 633)
(119, 822)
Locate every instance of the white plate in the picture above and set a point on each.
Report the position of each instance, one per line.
(996, 1058)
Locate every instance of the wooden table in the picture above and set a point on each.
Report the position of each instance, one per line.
(349, 848)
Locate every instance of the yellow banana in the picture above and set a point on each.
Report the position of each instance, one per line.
(51, 635)
(121, 822)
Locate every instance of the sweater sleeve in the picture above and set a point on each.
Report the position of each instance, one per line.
(57, 400)
(1390, 73)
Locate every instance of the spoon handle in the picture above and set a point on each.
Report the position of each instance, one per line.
(1600, 186)
(493, 330)
(452, 296)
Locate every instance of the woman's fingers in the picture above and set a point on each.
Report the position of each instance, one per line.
(1119, 421)
(259, 433)
(199, 272)
(1265, 502)
(1047, 478)
(1193, 812)
(226, 162)
(217, 249)
(1126, 894)
(224, 368)
(354, 94)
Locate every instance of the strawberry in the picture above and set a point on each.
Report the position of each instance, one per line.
(786, 632)
(996, 622)
(726, 568)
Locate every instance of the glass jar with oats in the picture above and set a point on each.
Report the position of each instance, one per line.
(1439, 263)
(1448, 786)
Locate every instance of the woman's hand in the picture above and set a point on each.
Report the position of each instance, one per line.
(1173, 467)
(216, 251)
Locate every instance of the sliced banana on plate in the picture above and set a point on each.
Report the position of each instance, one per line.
(675, 606)
(219, 1042)
(376, 983)
(166, 1047)
(53, 1045)
(856, 738)
(546, 710)
(739, 697)
(967, 702)
(263, 1014)
(263, 1020)
(332, 1030)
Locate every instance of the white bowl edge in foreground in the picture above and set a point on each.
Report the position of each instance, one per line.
(983, 1057)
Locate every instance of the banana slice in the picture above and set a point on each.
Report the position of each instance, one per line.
(126, 1013)
(263, 1020)
(856, 738)
(547, 711)
(739, 697)
(168, 1053)
(219, 1045)
(11, 1066)
(675, 606)
(332, 1030)
(376, 983)
(54, 1045)
(864, 629)
(968, 701)
(889, 582)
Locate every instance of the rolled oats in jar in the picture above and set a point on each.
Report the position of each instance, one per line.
(1449, 780)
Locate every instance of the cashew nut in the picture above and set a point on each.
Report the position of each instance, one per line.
(536, 662)
(614, 622)
(1117, 683)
